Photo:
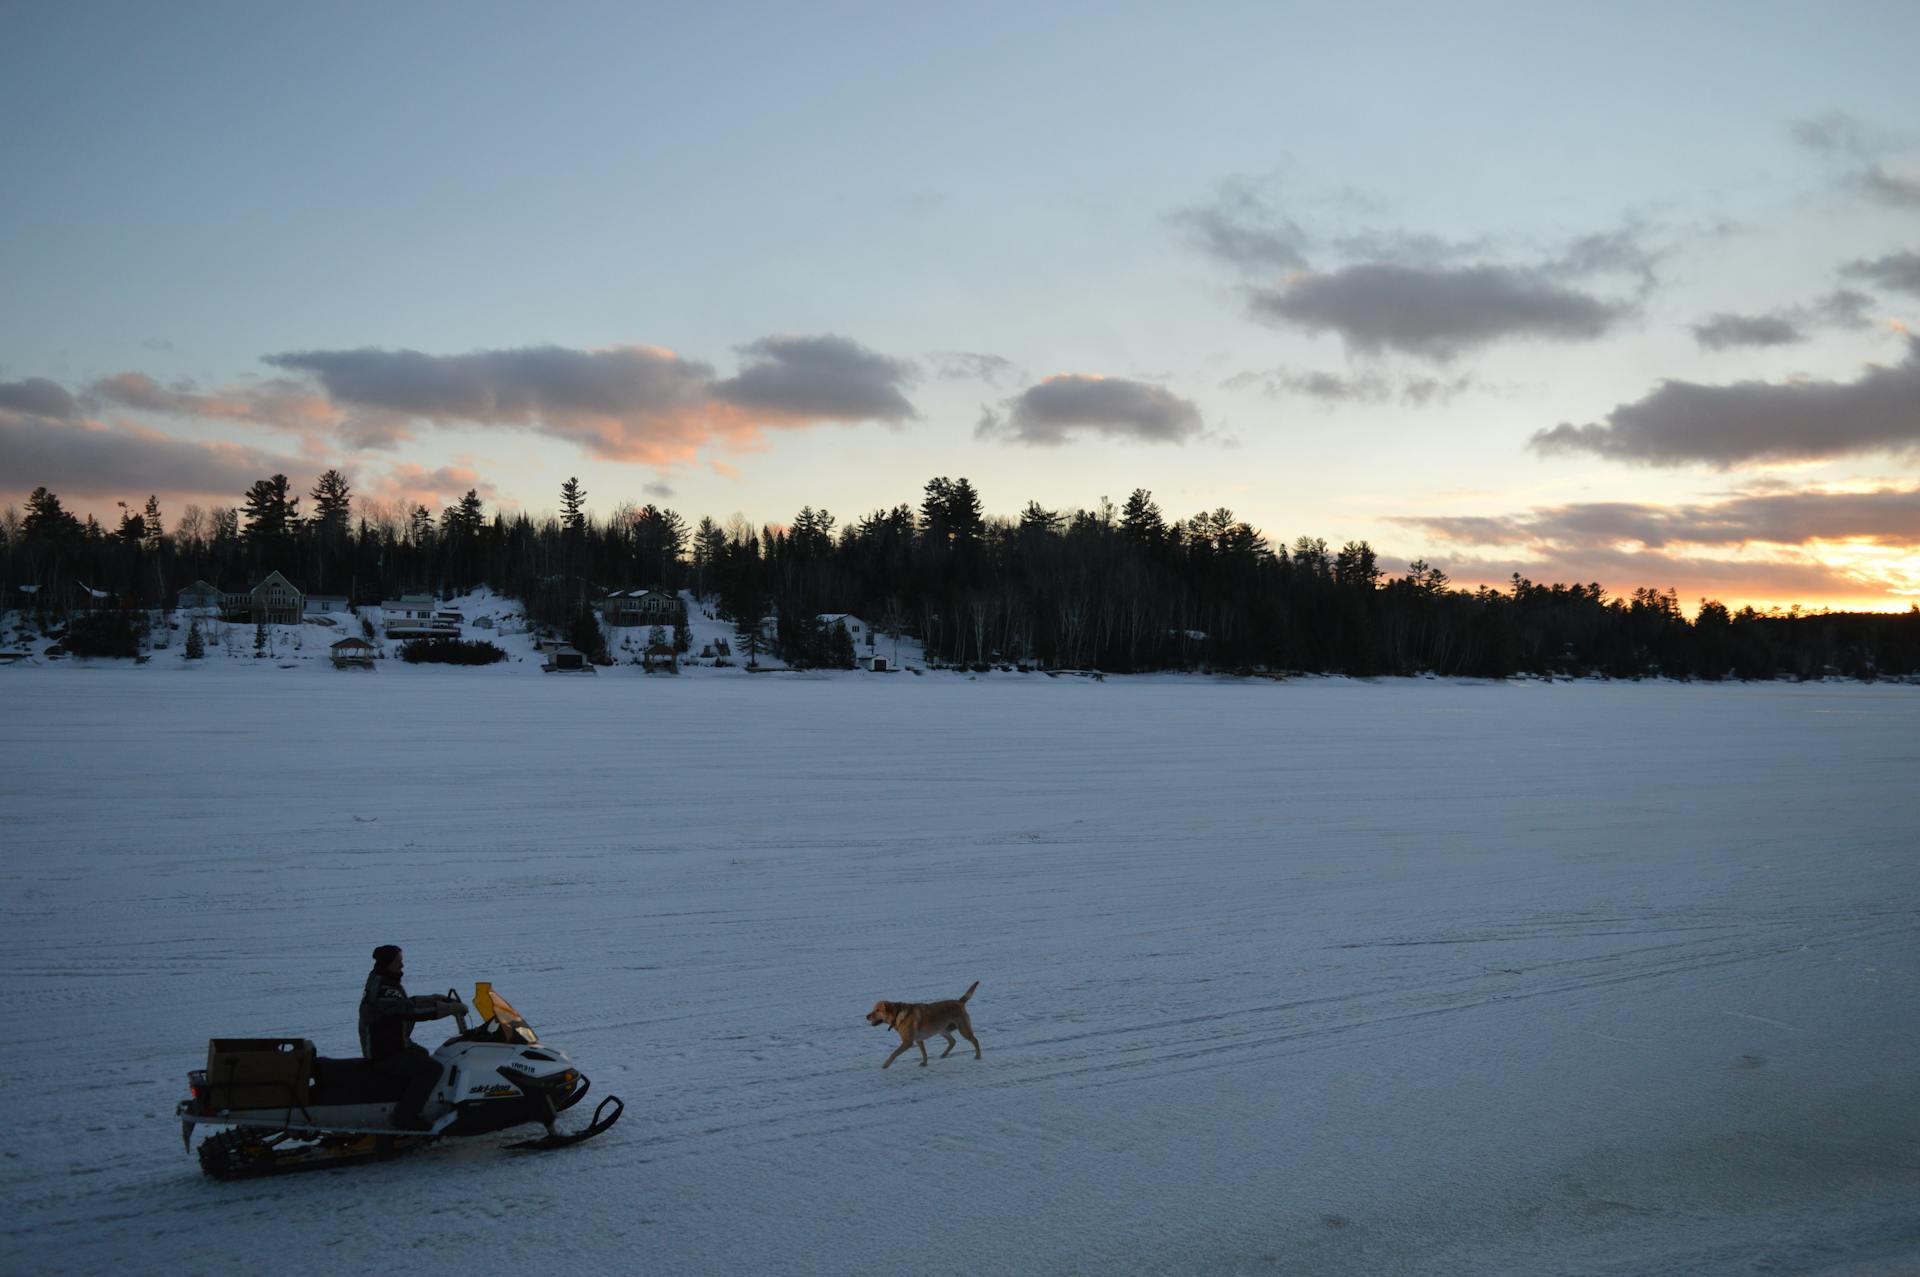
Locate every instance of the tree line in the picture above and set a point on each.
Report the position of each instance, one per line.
(1115, 588)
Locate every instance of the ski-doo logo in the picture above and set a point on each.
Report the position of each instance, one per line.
(498, 1088)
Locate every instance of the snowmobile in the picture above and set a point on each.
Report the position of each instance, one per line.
(285, 1108)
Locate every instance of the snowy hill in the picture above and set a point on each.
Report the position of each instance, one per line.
(235, 645)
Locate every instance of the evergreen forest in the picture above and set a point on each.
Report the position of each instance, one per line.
(1116, 588)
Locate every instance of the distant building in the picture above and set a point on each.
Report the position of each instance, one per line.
(320, 604)
(642, 607)
(562, 659)
(862, 632)
(201, 596)
(409, 607)
(273, 600)
(414, 616)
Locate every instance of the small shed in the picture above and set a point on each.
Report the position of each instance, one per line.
(562, 659)
(353, 654)
(660, 656)
(877, 663)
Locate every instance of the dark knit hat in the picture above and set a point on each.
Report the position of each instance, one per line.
(385, 954)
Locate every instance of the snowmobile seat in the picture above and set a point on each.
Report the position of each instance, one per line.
(353, 1082)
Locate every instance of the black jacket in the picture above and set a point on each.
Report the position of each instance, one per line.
(387, 1017)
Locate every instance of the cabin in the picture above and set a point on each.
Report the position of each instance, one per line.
(642, 607)
(321, 604)
(352, 654)
(202, 597)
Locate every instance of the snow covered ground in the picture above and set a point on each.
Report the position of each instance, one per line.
(1310, 977)
(715, 650)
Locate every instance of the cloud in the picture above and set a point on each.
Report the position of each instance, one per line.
(1842, 308)
(965, 365)
(1238, 227)
(89, 459)
(409, 485)
(1898, 271)
(1408, 291)
(622, 403)
(1435, 313)
(37, 397)
(1364, 386)
(1724, 330)
(1885, 516)
(1871, 160)
(1054, 410)
(819, 379)
(1769, 543)
(1617, 252)
(1753, 421)
(279, 401)
(1621, 571)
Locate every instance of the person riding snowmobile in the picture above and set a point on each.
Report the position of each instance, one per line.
(387, 1017)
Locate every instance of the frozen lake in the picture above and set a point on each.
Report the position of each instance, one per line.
(1315, 977)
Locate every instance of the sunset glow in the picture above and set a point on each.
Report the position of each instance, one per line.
(1339, 302)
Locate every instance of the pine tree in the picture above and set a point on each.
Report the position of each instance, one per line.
(272, 513)
(332, 504)
(47, 519)
(196, 644)
(155, 529)
(573, 505)
(1141, 521)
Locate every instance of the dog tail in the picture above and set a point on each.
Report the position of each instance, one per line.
(969, 992)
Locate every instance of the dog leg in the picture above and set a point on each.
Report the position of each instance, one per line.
(897, 1053)
(950, 1045)
(922, 1044)
(966, 1031)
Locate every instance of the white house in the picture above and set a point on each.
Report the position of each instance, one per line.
(321, 604)
(409, 607)
(862, 632)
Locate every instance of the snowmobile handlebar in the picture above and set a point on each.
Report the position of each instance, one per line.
(460, 1009)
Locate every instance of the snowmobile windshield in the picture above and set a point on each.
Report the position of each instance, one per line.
(499, 1018)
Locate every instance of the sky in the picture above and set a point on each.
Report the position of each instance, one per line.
(1622, 294)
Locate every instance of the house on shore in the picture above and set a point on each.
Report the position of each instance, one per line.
(642, 607)
(861, 632)
(273, 600)
(415, 616)
(201, 598)
(321, 604)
